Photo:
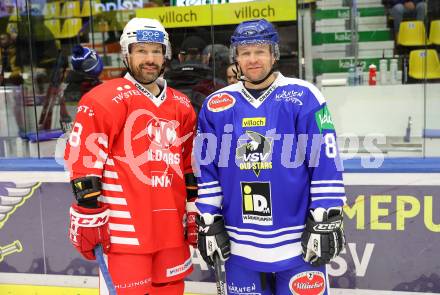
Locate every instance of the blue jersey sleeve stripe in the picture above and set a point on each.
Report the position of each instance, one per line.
(266, 232)
(264, 240)
(212, 190)
(266, 235)
(205, 208)
(265, 246)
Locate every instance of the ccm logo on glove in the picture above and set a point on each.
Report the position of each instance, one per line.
(89, 221)
(327, 227)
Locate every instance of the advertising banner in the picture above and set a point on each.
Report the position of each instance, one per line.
(221, 14)
(392, 236)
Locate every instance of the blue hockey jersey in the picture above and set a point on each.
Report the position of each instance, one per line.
(263, 163)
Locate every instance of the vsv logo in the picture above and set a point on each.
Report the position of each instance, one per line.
(254, 152)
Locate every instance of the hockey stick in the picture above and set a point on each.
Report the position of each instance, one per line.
(219, 275)
(104, 270)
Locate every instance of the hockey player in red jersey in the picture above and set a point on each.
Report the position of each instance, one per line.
(129, 157)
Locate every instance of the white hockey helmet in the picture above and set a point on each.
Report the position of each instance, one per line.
(144, 30)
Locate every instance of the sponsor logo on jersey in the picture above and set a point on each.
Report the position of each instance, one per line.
(240, 290)
(125, 92)
(253, 122)
(179, 268)
(324, 119)
(156, 100)
(221, 102)
(257, 205)
(308, 283)
(256, 102)
(162, 132)
(161, 179)
(134, 284)
(164, 156)
(183, 100)
(254, 152)
(290, 96)
(86, 110)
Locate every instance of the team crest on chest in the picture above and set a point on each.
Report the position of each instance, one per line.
(221, 102)
(162, 132)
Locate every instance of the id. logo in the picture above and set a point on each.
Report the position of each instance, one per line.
(257, 205)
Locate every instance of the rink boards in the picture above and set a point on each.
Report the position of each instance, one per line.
(392, 224)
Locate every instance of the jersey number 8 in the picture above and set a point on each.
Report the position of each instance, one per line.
(75, 139)
(330, 145)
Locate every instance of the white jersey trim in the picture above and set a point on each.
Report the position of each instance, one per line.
(326, 189)
(121, 227)
(111, 187)
(257, 102)
(120, 214)
(111, 174)
(124, 241)
(98, 165)
(259, 232)
(265, 240)
(344, 199)
(156, 100)
(112, 200)
(211, 190)
(208, 183)
(214, 201)
(267, 255)
(327, 182)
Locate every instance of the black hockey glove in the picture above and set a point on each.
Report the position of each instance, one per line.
(212, 238)
(323, 238)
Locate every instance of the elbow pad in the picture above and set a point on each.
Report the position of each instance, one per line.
(87, 190)
(191, 187)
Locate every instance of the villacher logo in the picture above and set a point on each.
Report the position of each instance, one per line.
(308, 283)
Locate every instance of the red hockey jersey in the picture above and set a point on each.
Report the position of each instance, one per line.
(140, 145)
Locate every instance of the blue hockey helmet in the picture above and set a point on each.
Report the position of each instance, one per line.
(257, 31)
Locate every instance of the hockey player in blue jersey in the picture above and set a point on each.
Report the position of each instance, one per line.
(270, 182)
